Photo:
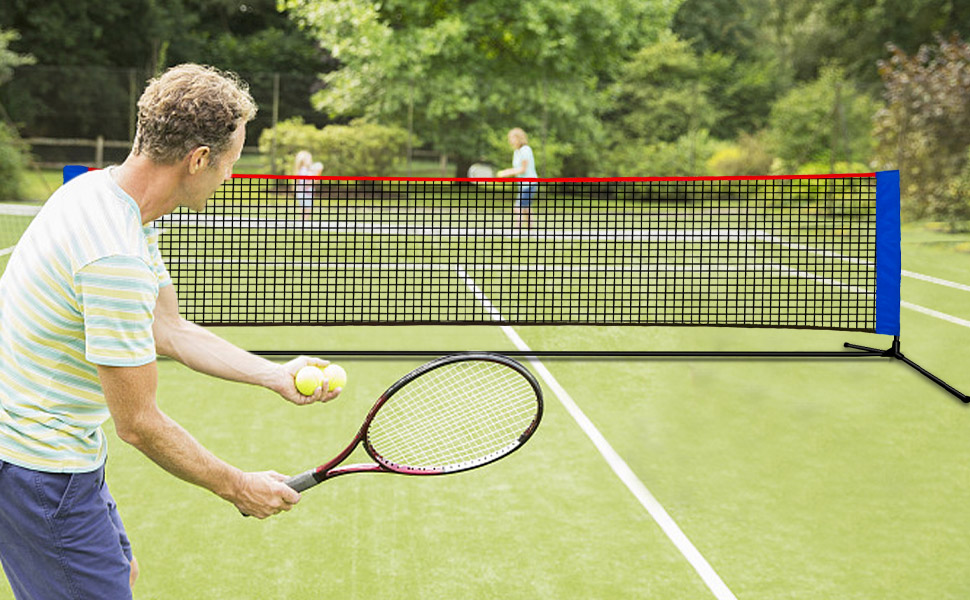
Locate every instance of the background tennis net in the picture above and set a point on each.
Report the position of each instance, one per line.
(795, 252)
(14, 219)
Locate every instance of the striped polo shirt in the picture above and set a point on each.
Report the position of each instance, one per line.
(79, 291)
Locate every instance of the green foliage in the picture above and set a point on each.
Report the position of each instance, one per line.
(659, 112)
(358, 149)
(748, 156)
(550, 154)
(742, 92)
(858, 31)
(716, 26)
(13, 163)
(92, 57)
(10, 60)
(686, 156)
(956, 209)
(924, 131)
(67, 32)
(825, 120)
(660, 94)
(821, 168)
(13, 151)
(743, 70)
(470, 69)
(801, 36)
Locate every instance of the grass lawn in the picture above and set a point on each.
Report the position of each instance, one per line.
(794, 479)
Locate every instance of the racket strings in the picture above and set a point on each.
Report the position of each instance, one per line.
(453, 417)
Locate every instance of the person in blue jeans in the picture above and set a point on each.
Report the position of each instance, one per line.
(86, 305)
(524, 167)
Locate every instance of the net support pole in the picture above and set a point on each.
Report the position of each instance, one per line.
(859, 352)
(889, 271)
(71, 171)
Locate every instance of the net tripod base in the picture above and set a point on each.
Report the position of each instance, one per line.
(895, 352)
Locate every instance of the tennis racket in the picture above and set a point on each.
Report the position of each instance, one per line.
(453, 414)
(481, 171)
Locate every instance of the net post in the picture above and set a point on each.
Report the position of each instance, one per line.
(72, 171)
(888, 253)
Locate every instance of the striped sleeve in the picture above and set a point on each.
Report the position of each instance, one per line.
(157, 263)
(117, 296)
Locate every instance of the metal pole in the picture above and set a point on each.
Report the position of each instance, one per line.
(276, 118)
(132, 105)
(410, 123)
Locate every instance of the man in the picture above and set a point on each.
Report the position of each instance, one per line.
(85, 305)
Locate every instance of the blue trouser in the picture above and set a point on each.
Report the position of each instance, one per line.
(61, 536)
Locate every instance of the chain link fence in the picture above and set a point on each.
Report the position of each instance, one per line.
(88, 114)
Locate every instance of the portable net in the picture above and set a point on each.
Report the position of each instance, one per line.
(793, 252)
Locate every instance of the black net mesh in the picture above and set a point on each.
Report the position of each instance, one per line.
(748, 252)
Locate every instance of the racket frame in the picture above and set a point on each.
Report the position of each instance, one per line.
(330, 469)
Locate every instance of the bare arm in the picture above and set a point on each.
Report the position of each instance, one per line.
(130, 394)
(522, 168)
(203, 351)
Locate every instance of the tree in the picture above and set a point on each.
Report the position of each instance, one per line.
(13, 152)
(862, 29)
(744, 73)
(924, 130)
(93, 57)
(806, 34)
(824, 121)
(723, 26)
(459, 72)
(10, 60)
(660, 94)
(660, 104)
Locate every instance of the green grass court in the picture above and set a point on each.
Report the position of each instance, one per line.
(798, 479)
(793, 479)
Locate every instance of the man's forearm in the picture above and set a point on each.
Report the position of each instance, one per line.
(203, 351)
(174, 449)
(130, 394)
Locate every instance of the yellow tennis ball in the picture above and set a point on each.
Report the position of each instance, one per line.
(308, 379)
(336, 375)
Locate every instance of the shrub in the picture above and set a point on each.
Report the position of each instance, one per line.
(924, 130)
(13, 163)
(688, 156)
(358, 149)
(748, 156)
(822, 120)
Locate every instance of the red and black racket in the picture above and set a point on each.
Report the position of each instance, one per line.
(452, 414)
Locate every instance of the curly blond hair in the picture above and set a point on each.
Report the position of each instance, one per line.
(190, 106)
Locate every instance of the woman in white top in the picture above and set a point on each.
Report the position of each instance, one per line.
(303, 166)
(523, 166)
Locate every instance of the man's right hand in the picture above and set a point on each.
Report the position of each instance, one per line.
(263, 495)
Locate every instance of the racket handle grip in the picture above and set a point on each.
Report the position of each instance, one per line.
(302, 481)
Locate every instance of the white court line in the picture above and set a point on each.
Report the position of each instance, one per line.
(613, 459)
(929, 311)
(936, 313)
(937, 280)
